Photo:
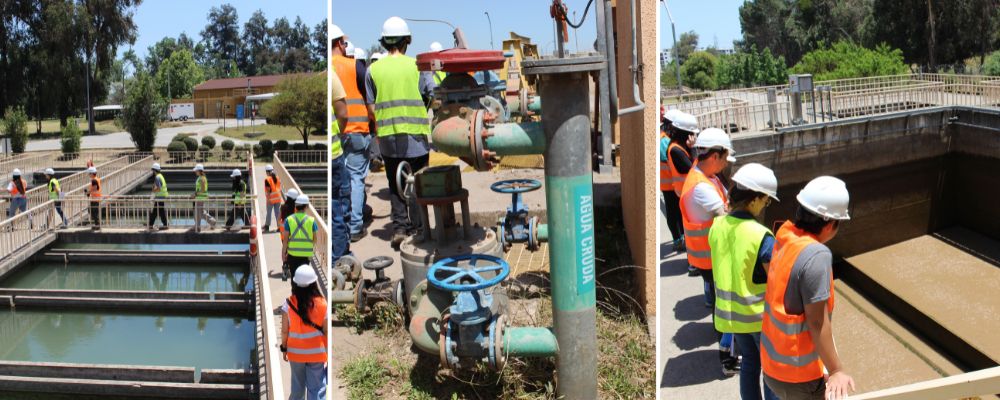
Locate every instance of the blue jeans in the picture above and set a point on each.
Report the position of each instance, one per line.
(308, 381)
(339, 203)
(272, 208)
(748, 345)
(357, 160)
(17, 203)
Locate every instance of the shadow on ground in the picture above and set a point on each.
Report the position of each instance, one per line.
(692, 368)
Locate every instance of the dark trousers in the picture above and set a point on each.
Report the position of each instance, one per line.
(400, 216)
(238, 211)
(674, 221)
(340, 204)
(159, 210)
(60, 211)
(293, 263)
(95, 213)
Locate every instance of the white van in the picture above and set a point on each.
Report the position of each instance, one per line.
(181, 112)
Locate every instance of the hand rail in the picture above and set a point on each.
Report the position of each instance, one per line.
(321, 247)
(967, 385)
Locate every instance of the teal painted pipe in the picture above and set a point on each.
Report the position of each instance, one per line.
(543, 232)
(509, 139)
(535, 104)
(529, 342)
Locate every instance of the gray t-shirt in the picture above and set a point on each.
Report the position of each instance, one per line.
(810, 279)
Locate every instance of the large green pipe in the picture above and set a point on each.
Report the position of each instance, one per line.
(511, 139)
(529, 342)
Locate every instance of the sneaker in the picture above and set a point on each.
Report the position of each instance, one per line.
(679, 246)
(692, 271)
(360, 235)
(164, 227)
(730, 364)
(267, 229)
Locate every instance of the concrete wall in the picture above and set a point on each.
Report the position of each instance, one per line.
(638, 133)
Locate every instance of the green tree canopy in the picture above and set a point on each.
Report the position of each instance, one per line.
(141, 111)
(699, 71)
(178, 75)
(750, 68)
(847, 60)
(301, 102)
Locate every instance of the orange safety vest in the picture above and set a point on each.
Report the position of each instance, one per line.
(787, 350)
(665, 176)
(95, 190)
(274, 195)
(357, 111)
(14, 191)
(306, 344)
(677, 178)
(696, 234)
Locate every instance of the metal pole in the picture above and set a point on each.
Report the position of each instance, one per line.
(677, 62)
(491, 28)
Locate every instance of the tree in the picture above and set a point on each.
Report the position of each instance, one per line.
(141, 111)
(750, 68)
(318, 46)
(222, 38)
(70, 137)
(301, 102)
(699, 70)
(14, 121)
(257, 42)
(847, 60)
(686, 45)
(178, 75)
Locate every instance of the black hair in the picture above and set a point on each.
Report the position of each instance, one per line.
(304, 298)
(680, 136)
(334, 42)
(300, 207)
(399, 44)
(808, 221)
(707, 153)
(741, 198)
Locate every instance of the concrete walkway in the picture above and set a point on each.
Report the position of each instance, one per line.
(163, 136)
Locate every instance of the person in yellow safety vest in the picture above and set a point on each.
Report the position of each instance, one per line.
(299, 236)
(340, 200)
(303, 336)
(272, 189)
(438, 75)
(160, 195)
(393, 92)
(200, 196)
(94, 193)
(55, 193)
(675, 161)
(741, 252)
(239, 201)
(356, 135)
(797, 349)
(17, 188)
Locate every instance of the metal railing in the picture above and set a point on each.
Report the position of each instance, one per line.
(27, 230)
(321, 247)
(968, 385)
(26, 163)
(134, 211)
(211, 158)
(289, 157)
(40, 193)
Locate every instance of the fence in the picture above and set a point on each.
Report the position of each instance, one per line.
(27, 230)
(134, 211)
(302, 156)
(322, 241)
(214, 158)
(977, 383)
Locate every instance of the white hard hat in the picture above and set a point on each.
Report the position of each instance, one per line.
(235, 173)
(335, 32)
(359, 53)
(377, 56)
(302, 200)
(292, 193)
(304, 275)
(395, 27)
(52, 172)
(199, 167)
(685, 122)
(156, 166)
(16, 172)
(269, 168)
(827, 197)
(92, 170)
(673, 113)
(757, 178)
(349, 50)
(436, 46)
(715, 137)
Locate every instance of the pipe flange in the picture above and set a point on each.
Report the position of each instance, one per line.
(476, 141)
(498, 359)
(523, 95)
(360, 299)
(562, 65)
(533, 233)
(444, 339)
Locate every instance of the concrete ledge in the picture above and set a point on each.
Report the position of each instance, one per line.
(227, 376)
(125, 294)
(143, 257)
(125, 388)
(97, 371)
(173, 236)
(224, 307)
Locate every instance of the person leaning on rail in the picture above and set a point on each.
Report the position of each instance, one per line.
(303, 336)
(741, 252)
(17, 188)
(797, 350)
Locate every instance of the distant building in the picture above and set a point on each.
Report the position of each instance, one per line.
(219, 97)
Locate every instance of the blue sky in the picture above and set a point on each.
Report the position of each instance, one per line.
(714, 19)
(362, 21)
(156, 19)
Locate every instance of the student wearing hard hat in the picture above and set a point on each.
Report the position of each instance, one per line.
(17, 188)
(435, 76)
(677, 135)
(797, 349)
(303, 335)
(93, 192)
(356, 136)
(393, 90)
(55, 193)
(160, 195)
(299, 236)
(200, 195)
(741, 252)
(376, 56)
(239, 200)
(349, 49)
(340, 182)
(287, 208)
(272, 189)
(361, 56)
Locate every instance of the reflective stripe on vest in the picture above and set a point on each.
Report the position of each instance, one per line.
(14, 191)
(95, 190)
(54, 189)
(274, 195)
(739, 302)
(678, 177)
(336, 148)
(696, 234)
(306, 344)
(787, 350)
(163, 186)
(239, 197)
(399, 109)
(201, 188)
(300, 241)
(357, 113)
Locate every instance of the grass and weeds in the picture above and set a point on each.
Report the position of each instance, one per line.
(273, 132)
(52, 130)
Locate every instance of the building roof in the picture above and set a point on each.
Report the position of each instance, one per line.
(236, 83)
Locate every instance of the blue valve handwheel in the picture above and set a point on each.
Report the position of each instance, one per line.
(456, 274)
(516, 186)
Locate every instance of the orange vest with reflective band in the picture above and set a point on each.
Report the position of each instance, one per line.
(95, 190)
(306, 344)
(696, 234)
(787, 350)
(665, 176)
(677, 178)
(357, 112)
(274, 195)
(14, 191)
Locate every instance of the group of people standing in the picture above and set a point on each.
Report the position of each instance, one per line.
(17, 189)
(771, 293)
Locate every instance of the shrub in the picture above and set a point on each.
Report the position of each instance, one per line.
(281, 145)
(699, 70)
(300, 146)
(176, 149)
(266, 148)
(319, 146)
(141, 111)
(848, 60)
(258, 150)
(191, 143)
(14, 126)
(750, 68)
(71, 137)
(228, 145)
(208, 141)
(178, 137)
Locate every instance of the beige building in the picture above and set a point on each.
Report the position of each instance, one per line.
(219, 97)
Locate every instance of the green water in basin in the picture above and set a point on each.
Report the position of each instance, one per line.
(172, 277)
(153, 247)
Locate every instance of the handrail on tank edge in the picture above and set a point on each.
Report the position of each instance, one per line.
(970, 384)
(272, 365)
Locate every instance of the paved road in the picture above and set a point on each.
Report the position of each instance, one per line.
(123, 140)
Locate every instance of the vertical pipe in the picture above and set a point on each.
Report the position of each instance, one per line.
(569, 196)
(603, 82)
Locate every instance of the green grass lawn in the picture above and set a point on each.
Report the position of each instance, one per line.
(51, 128)
(273, 132)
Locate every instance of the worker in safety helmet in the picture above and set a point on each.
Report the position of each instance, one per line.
(17, 188)
(675, 161)
(200, 196)
(741, 252)
(55, 193)
(797, 349)
(239, 201)
(160, 195)
(393, 92)
(93, 192)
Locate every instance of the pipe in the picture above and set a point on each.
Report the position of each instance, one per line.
(612, 60)
(529, 342)
(341, 297)
(425, 324)
(511, 139)
(639, 105)
(542, 233)
(569, 196)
